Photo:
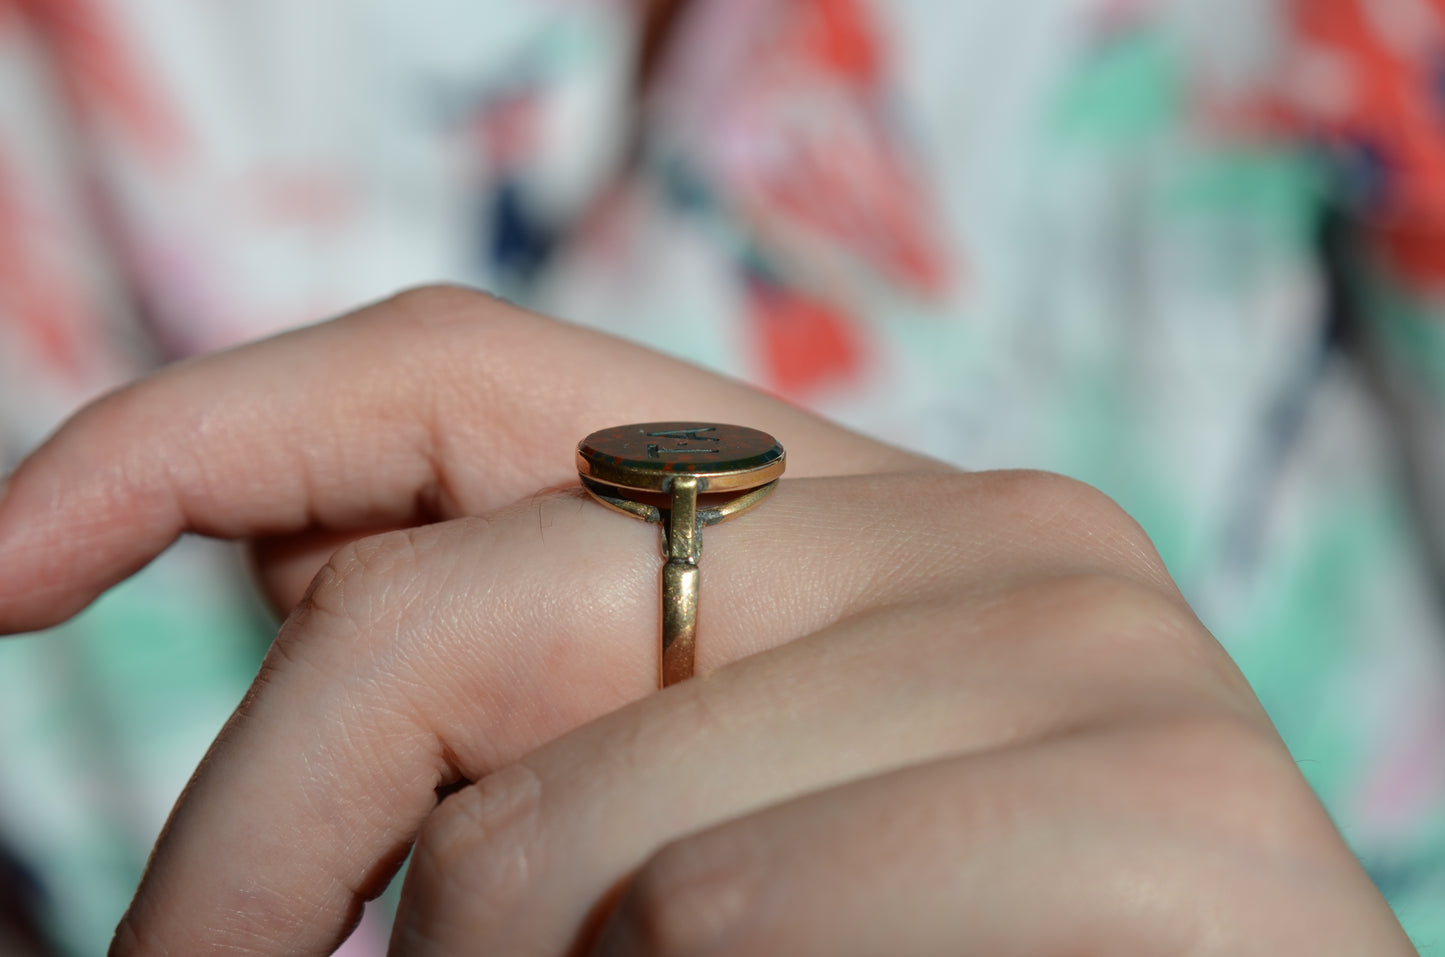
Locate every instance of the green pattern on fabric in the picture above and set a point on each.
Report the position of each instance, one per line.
(1278, 191)
(1097, 448)
(1285, 644)
(1417, 897)
(1127, 90)
(1412, 332)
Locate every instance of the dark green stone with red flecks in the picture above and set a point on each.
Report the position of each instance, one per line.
(646, 455)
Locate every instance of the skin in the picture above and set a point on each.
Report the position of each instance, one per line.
(937, 712)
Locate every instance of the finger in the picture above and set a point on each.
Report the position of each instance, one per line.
(516, 863)
(434, 404)
(284, 566)
(1174, 837)
(449, 651)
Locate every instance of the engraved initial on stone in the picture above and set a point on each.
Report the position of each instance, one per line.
(684, 437)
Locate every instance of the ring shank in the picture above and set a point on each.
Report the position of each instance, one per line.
(679, 622)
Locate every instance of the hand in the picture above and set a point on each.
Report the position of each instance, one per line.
(939, 712)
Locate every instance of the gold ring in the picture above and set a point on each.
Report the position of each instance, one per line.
(657, 471)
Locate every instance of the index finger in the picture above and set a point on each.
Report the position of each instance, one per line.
(437, 403)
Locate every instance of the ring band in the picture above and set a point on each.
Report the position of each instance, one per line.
(657, 471)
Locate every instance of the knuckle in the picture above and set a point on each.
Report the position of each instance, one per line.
(440, 304)
(1097, 608)
(1233, 775)
(461, 345)
(1120, 633)
(1050, 491)
(360, 575)
(504, 805)
(689, 899)
(480, 844)
(363, 586)
(1073, 513)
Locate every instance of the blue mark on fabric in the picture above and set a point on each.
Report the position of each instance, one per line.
(1363, 170)
(520, 243)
